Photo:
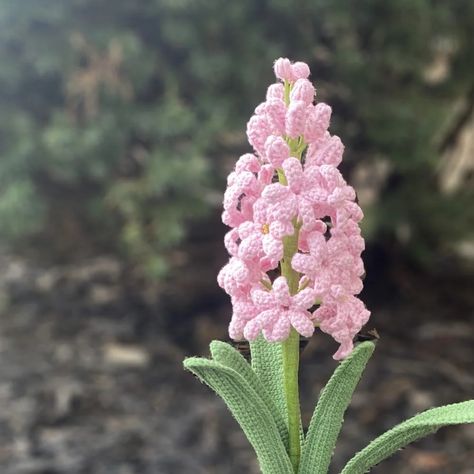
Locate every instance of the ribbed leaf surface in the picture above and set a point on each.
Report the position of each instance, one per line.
(226, 355)
(328, 415)
(267, 363)
(249, 410)
(410, 430)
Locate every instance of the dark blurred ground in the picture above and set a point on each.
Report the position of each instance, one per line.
(91, 379)
(119, 122)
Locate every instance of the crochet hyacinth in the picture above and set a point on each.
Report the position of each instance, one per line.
(290, 188)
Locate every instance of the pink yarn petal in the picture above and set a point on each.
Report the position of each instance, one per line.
(252, 329)
(275, 111)
(248, 162)
(269, 317)
(236, 328)
(303, 263)
(279, 331)
(275, 91)
(302, 90)
(283, 69)
(304, 299)
(262, 299)
(344, 350)
(272, 247)
(300, 70)
(281, 291)
(301, 322)
(276, 150)
(295, 118)
(294, 173)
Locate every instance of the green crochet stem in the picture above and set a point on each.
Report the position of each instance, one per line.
(291, 356)
(291, 347)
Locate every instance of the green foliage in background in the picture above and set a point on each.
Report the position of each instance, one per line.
(115, 116)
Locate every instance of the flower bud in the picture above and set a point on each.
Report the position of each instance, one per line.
(283, 69)
(295, 118)
(276, 150)
(275, 111)
(300, 70)
(275, 91)
(317, 122)
(303, 90)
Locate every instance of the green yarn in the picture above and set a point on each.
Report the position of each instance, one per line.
(405, 433)
(328, 415)
(255, 396)
(226, 355)
(250, 411)
(267, 363)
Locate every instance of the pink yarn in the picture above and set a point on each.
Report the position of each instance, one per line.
(291, 188)
(275, 91)
(276, 150)
(275, 111)
(295, 118)
(300, 70)
(258, 130)
(286, 71)
(278, 311)
(303, 90)
(317, 122)
(283, 69)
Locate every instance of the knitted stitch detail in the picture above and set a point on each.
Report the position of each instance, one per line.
(290, 187)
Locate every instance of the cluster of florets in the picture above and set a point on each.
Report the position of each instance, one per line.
(290, 208)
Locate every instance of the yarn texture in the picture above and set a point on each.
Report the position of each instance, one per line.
(288, 204)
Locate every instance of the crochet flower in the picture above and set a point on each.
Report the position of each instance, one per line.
(291, 211)
(333, 267)
(277, 311)
(340, 319)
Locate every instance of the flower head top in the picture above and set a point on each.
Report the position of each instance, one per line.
(290, 209)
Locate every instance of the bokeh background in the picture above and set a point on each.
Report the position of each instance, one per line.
(119, 122)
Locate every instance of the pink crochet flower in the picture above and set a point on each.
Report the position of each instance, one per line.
(258, 130)
(275, 91)
(275, 111)
(303, 90)
(327, 150)
(278, 311)
(332, 266)
(245, 185)
(283, 69)
(286, 71)
(288, 203)
(342, 319)
(258, 244)
(243, 311)
(317, 122)
(237, 278)
(296, 118)
(277, 203)
(276, 150)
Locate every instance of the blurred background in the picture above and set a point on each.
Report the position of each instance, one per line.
(119, 122)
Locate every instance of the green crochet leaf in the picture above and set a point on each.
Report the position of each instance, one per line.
(249, 410)
(267, 363)
(226, 355)
(328, 415)
(410, 430)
